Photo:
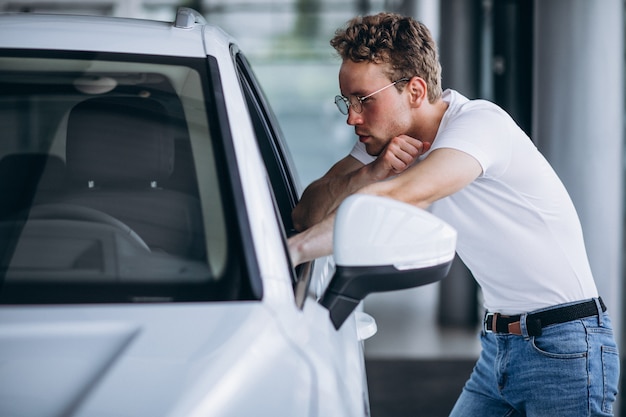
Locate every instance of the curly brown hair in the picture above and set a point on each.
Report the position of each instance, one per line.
(403, 42)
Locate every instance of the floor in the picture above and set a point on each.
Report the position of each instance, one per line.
(408, 328)
(415, 388)
(415, 367)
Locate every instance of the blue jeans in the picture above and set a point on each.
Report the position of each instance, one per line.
(571, 370)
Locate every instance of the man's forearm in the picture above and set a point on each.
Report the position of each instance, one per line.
(313, 243)
(323, 196)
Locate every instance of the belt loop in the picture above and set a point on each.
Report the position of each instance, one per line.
(600, 312)
(522, 322)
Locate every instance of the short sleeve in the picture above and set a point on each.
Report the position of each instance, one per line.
(482, 131)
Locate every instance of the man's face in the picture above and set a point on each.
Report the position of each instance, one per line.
(384, 115)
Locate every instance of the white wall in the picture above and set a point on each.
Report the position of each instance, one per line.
(578, 122)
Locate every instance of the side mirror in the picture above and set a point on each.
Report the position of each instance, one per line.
(381, 244)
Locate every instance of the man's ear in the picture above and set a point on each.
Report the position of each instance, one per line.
(418, 91)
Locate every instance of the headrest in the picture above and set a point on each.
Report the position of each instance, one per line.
(112, 140)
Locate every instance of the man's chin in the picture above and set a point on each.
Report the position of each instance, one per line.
(372, 151)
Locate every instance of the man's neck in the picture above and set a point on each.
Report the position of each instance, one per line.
(430, 120)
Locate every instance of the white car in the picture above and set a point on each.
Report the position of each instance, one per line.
(145, 202)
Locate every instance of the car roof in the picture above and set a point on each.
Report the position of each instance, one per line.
(191, 37)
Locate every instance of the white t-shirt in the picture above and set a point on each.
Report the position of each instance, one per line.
(518, 230)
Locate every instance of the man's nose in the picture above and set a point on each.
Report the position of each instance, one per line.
(354, 118)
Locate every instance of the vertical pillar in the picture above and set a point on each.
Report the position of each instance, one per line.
(578, 123)
(460, 56)
(459, 45)
(510, 64)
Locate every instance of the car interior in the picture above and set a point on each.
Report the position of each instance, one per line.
(99, 178)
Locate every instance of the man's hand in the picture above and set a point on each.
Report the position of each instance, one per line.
(399, 154)
(313, 243)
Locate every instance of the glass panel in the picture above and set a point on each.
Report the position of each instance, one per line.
(108, 180)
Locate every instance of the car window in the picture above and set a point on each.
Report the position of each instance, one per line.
(112, 182)
(278, 162)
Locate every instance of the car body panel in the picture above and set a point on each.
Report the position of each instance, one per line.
(94, 34)
(143, 360)
(159, 360)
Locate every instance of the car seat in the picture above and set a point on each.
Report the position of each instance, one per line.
(119, 151)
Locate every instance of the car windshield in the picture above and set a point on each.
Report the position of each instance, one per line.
(110, 189)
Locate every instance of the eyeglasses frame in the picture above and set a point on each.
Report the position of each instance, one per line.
(348, 103)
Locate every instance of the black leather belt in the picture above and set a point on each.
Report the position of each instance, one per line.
(498, 323)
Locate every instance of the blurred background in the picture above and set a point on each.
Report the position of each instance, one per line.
(557, 66)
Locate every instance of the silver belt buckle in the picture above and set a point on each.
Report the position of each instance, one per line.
(490, 317)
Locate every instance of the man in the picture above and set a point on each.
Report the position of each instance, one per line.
(547, 342)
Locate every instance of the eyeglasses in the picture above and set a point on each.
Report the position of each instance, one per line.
(344, 103)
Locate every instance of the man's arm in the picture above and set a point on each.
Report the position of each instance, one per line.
(323, 196)
(313, 243)
(444, 172)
